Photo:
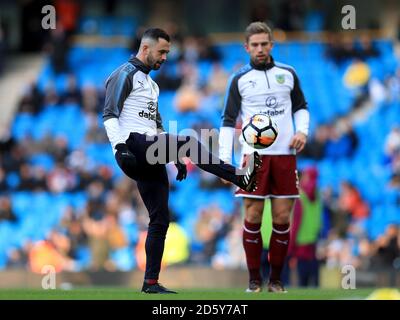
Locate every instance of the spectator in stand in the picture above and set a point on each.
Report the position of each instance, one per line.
(393, 86)
(26, 180)
(188, 98)
(73, 229)
(3, 181)
(392, 143)
(67, 14)
(94, 132)
(342, 141)
(386, 251)
(13, 160)
(18, 257)
(218, 79)
(315, 148)
(351, 203)
(291, 15)
(261, 11)
(233, 257)
(51, 251)
(367, 49)
(31, 100)
(39, 177)
(6, 210)
(190, 52)
(72, 92)
(347, 133)
(177, 243)
(90, 99)
(394, 185)
(207, 50)
(341, 49)
(2, 49)
(57, 47)
(50, 97)
(95, 226)
(176, 38)
(59, 148)
(167, 81)
(61, 179)
(334, 219)
(306, 227)
(208, 229)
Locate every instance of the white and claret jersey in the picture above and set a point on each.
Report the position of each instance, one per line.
(132, 99)
(273, 90)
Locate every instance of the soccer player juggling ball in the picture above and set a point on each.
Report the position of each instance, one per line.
(266, 86)
(134, 127)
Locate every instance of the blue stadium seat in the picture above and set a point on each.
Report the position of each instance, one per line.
(22, 125)
(124, 258)
(83, 257)
(43, 160)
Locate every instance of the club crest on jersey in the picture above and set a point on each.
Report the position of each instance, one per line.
(280, 78)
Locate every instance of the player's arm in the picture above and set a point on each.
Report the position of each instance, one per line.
(232, 105)
(160, 127)
(118, 88)
(301, 116)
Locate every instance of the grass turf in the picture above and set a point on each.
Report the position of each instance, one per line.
(184, 294)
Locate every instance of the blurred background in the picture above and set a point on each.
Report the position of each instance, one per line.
(64, 202)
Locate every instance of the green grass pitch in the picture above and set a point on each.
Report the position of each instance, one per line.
(184, 294)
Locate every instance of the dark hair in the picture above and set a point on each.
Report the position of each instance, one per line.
(155, 34)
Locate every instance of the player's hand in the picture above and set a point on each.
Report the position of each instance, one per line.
(182, 171)
(125, 155)
(298, 141)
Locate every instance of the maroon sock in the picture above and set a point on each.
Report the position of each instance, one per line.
(252, 244)
(278, 247)
(151, 281)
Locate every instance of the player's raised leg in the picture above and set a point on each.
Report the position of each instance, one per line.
(164, 148)
(243, 178)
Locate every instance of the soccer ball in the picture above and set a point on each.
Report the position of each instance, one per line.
(259, 131)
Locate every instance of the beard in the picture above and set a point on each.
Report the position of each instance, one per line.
(153, 63)
(260, 63)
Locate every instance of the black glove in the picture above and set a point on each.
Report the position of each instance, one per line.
(125, 156)
(182, 171)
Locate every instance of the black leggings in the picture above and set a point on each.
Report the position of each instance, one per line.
(152, 153)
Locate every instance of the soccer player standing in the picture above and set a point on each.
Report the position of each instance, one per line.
(266, 86)
(135, 130)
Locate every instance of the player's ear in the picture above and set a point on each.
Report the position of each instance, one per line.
(246, 47)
